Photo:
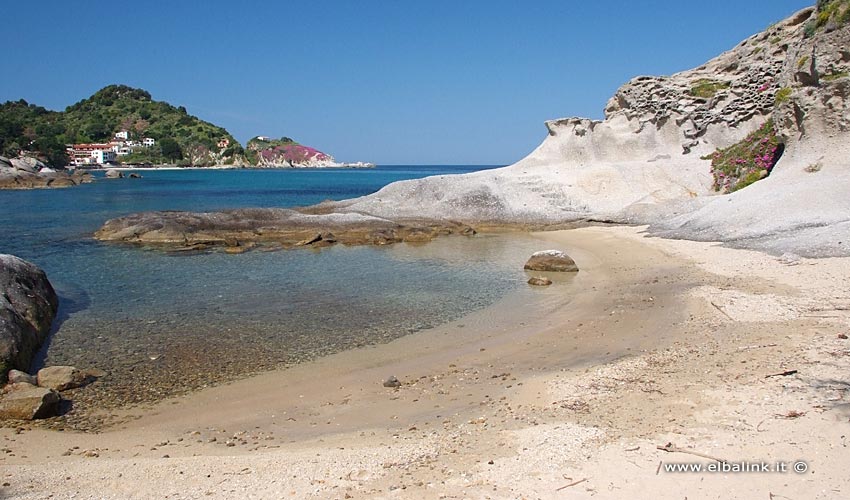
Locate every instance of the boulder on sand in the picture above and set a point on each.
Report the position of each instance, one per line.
(24, 401)
(551, 260)
(392, 382)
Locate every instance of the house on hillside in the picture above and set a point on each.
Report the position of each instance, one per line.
(122, 136)
(148, 142)
(224, 143)
(120, 148)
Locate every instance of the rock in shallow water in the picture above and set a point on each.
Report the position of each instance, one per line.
(539, 281)
(17, 376)
(551, 260)
(62, 378)
(286, 227)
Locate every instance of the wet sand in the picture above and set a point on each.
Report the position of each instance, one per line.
(567, 393)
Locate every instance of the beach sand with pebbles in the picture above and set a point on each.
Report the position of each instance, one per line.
(568, 394)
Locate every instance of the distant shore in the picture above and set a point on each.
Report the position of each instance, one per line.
(220, 167)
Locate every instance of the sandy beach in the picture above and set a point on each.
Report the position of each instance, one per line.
(566, 395)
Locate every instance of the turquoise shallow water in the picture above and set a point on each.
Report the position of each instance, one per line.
(160, 323)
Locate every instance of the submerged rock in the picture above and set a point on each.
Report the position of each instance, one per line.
(246, 227)
(539, 281)
(24, 401)
(551, 260)
(28, 305)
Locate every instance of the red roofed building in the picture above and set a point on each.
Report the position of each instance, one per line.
(91, 154)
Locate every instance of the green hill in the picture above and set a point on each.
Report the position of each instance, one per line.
(180, 137)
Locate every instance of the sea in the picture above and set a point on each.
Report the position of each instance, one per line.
(158, 324)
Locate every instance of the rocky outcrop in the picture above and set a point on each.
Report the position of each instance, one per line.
(113, 174)
(285, 152)
(242, 229)
(266, 152)
(551, 260)
(802, 207)
(29, 173)
(28, 305)
(24, 401)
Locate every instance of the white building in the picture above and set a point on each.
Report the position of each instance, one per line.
(148, 142)
(123, 135)
(101, 156)
(91, 154)
(121, 148)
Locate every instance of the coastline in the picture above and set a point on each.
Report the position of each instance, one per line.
(653, 341)
(347, 166)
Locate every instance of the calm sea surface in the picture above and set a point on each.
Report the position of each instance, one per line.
(161, 324)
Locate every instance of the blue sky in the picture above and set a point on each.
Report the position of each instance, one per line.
(392, 82)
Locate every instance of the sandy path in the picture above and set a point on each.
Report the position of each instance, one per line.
(654, 341)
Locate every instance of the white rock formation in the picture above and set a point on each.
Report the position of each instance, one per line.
(642, 164)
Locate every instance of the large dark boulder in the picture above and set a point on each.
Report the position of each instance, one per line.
(28, 305)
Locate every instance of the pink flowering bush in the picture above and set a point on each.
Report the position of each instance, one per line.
(293, 154)
(744, 163)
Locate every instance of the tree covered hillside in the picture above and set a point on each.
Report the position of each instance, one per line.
(180, 137)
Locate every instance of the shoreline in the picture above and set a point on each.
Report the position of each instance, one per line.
(644, 346)
(226, 167)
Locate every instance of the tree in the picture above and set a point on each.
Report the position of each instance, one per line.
(52, 150)
(97, 130)
(170, 149)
